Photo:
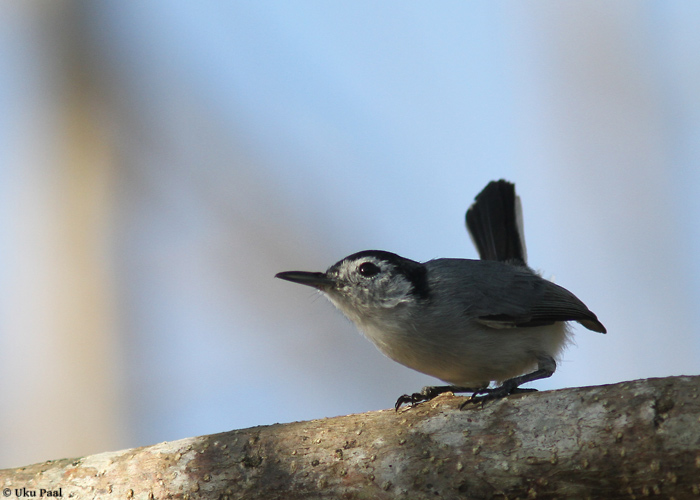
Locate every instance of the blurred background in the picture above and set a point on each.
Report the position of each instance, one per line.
(160, 161)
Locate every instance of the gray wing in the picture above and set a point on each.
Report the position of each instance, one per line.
(502, 295)
(541, 303)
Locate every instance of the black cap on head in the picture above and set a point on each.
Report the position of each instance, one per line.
(415, 272)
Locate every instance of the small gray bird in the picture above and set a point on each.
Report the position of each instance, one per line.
(466, 322)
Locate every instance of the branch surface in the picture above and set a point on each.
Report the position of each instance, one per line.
(627, 440)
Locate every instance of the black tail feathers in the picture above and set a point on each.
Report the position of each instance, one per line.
(494, 222)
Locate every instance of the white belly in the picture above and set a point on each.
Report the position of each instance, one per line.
(473, 357)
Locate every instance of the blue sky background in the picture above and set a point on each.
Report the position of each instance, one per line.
(235, 140)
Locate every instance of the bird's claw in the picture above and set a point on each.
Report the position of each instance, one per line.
(410, 399)
(484, 395)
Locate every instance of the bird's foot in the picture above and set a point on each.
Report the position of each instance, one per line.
(482, 396)
(428, 393)
(410, 399)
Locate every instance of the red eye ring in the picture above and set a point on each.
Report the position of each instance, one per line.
(367, 269)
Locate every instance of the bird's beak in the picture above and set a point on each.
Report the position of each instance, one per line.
(316, 280)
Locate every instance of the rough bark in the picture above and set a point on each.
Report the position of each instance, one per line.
(627, 440)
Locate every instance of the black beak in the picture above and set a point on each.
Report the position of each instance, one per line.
(316, 280)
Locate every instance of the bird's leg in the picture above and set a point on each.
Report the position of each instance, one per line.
(429, 392)
(545, 368)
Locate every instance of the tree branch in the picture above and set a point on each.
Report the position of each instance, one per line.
(625, 440)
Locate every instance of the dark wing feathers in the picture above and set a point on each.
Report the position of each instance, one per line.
(559, 304)
(550, 303)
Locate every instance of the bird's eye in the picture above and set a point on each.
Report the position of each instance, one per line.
(367, 269)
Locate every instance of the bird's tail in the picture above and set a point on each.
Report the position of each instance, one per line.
(495, 224)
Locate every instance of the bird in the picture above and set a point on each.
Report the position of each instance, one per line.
(469, 323)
